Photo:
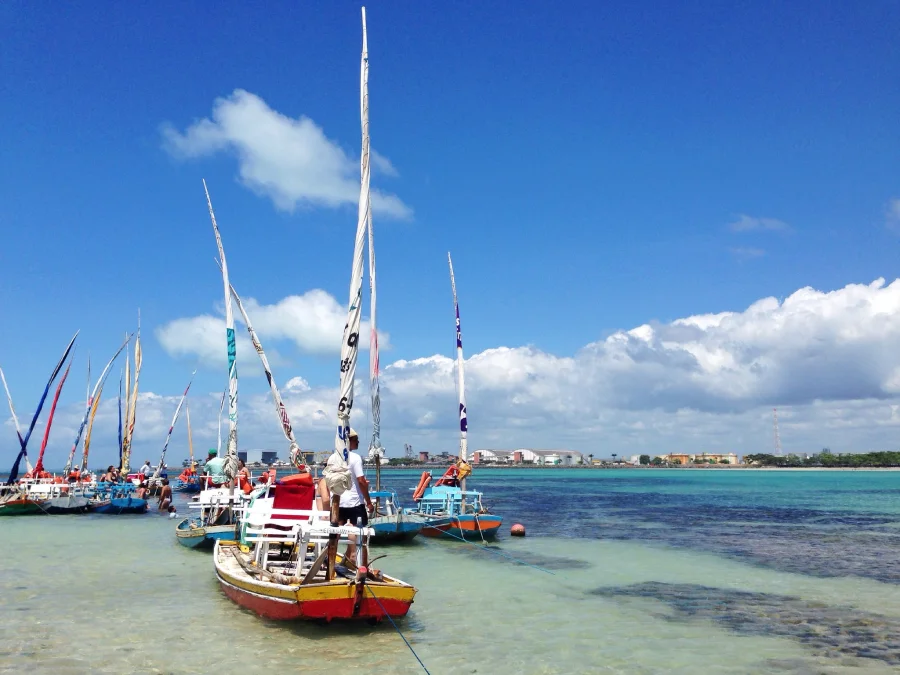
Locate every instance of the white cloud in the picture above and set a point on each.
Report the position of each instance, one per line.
(830, 362)
(747, 252)
(289, 160)
(745, 223)
(314, 322)
(892, 214)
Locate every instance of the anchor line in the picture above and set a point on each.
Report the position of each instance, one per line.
(396, 628)
(500, 553)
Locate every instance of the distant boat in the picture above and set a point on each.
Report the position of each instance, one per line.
(453, 512)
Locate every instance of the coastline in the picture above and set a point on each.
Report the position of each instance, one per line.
(719, 467)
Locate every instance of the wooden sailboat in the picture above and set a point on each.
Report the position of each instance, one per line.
(219, 505)
(452, 511)
(305, 577)
(188, 480)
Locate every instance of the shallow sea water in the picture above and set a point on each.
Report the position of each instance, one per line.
(654, 571)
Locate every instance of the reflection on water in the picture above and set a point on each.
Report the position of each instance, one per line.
(652, 572)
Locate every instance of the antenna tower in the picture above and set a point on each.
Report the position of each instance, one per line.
(408, 450)
(777, 435)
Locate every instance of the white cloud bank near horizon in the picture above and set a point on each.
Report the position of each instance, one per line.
(289, 160)
(830, 362)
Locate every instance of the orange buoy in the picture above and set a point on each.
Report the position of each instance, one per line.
(517, 530)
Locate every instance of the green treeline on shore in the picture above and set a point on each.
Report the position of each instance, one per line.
(827, 459)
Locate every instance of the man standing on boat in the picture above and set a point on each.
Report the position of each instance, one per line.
(215, 470)
(146, 470)
(355, 502)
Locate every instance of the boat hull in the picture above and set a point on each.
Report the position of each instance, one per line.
(201, 537)
(21, 507)
(68, 505)
(468, 527)
(316, 601)
(393, 529)
(122, 506)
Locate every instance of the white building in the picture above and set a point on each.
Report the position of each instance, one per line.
(528, 456)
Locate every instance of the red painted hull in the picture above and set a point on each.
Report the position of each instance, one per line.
(466, 528)
(283, 610)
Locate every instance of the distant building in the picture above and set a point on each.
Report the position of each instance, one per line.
(528, 456)
(242, 455)
(269, 456)
(701, 458)
(423, 456)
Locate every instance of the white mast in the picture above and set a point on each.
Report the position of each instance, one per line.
(231, 458)
(460, 379)
(350, 342)
(376, 452)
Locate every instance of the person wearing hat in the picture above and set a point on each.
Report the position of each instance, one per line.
(355, 502)
(215, 470)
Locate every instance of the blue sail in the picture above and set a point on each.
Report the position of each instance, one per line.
(23, 442)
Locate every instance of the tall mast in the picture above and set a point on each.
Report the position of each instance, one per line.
(23, 442)
(350, 343)
(120, 418)
(131, 403)
(162, 457)
(460, 379)
(376, 452)
(90, 401)
(337, 473)
(39, 465)
(280, 410)
(231, 458)
(190, 440)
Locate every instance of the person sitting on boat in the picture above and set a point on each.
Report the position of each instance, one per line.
(146, 471)
(74, 475)
(244, 477)
(107, 477)
(215, 470)
(355, 502)
(165, 496)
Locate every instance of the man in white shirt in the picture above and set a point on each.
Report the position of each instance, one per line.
(146, 470)
(355, 502)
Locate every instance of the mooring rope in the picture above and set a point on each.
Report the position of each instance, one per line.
(500, 553)
(396, 628)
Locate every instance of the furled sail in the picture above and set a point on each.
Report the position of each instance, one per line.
(231, 458)
(280, 410)
(375, 448)
(221, 408)
(39, 465)
(162, 457)
(131, 403)
(23, 442)
(336, 473)
(95, 404)
(90, 401)
(460, 374)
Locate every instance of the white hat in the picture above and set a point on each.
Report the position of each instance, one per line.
(353, 433)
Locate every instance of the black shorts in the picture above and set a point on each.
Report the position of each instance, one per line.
(349, 514)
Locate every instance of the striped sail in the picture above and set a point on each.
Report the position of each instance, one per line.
(162, 457)
(231, 459)
(39, 465)
(280, 410)
(187, 412)
(87, 434)
(375, 448)
(460, 374)
(350, 341)
(23, 442)
(221, 408)
(120, 419)
(90, 400)
(131, 404)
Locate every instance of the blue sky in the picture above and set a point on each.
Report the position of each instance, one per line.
(585, 163)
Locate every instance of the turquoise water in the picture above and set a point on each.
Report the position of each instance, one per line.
(654, 571)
